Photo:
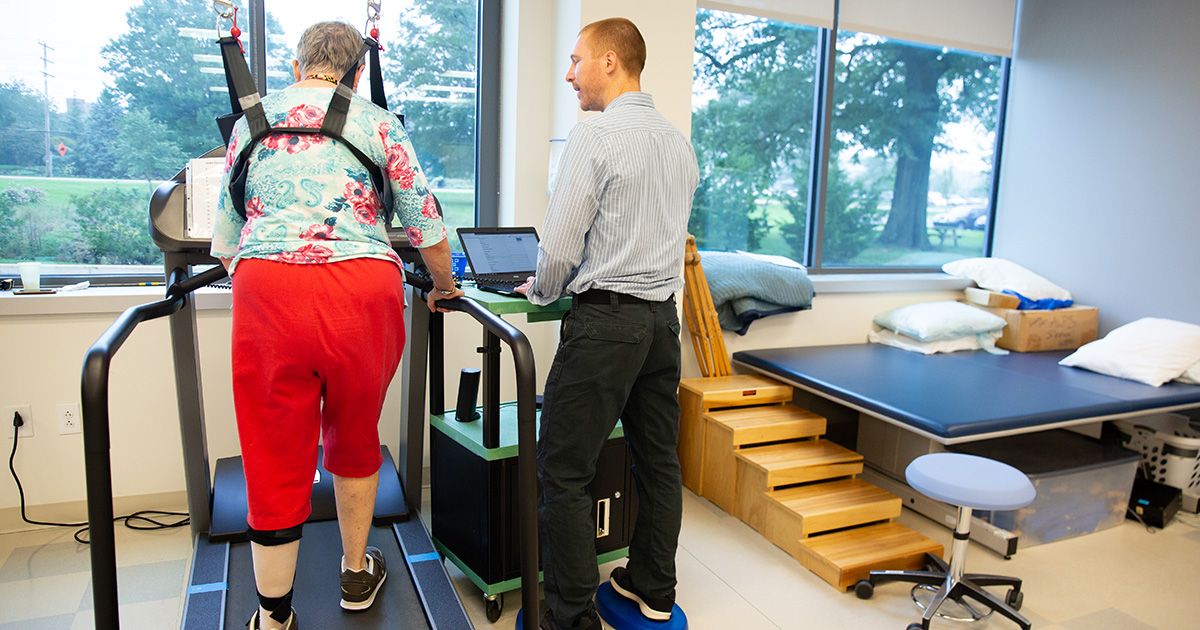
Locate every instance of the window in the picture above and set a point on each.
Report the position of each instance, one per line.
(910, 131)
(752, 127)
(98, 111)
(910, 166)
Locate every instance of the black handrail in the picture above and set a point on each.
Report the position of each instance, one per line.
(526, 440)
(96, 444)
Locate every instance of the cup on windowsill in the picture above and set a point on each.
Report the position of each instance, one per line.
(31, 275)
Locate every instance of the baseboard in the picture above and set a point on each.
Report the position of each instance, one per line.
(76, 511)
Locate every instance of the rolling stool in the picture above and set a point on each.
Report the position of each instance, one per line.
(968, 482)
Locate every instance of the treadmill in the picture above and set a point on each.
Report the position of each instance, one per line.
(220, 592)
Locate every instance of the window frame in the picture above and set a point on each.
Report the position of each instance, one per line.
(825, 82)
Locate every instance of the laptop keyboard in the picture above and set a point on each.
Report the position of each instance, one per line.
(499, 282)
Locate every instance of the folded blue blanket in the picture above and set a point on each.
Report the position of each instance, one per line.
(1043, 304)
(745, 288)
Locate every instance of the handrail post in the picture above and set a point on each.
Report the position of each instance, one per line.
(97, 441)
(527, 498)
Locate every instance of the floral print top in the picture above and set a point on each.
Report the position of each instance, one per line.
(309, 200)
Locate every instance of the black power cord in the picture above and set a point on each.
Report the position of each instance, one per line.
(140, 520)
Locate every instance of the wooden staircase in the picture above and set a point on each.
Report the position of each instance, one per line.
(747, 449)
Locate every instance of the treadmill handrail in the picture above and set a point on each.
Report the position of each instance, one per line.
(96, 436)
(523, 365)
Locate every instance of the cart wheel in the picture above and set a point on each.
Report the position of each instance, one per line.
(494, 605)
(916, 625)
(1014, 599)
(864, 589)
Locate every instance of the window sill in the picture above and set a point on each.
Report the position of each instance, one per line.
(114, 300)
(102, 300)
(886, 282)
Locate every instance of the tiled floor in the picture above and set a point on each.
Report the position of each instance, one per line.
(1124, 578)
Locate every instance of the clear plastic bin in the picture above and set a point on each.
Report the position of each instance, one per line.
(1082, 485)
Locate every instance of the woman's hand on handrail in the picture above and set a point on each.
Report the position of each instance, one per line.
(436, 295)
(437, 262)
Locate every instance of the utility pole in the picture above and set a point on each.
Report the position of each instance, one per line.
(46, 76)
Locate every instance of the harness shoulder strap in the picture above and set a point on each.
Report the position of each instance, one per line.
(243, 95)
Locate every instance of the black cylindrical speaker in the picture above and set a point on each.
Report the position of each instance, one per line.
(468, 390)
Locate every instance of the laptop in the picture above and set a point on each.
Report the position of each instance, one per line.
(501, 259)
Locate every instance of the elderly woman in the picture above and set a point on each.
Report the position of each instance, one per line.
(318, 325)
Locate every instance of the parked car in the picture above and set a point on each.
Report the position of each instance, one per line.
(962, 217)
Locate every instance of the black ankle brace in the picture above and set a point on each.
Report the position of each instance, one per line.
(279, 607)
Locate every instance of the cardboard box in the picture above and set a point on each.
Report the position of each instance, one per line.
(1035, 331)
(983, 297)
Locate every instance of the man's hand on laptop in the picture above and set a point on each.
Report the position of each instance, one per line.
(524, 288)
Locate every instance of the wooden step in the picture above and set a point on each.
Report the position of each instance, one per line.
(764, 468)
(843, 558)
(697, 396)
(747, 426)
(798, 512)
(728, 430)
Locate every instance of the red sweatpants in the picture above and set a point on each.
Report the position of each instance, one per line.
(304, 335)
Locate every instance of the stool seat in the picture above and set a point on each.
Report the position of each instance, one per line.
(970, 481)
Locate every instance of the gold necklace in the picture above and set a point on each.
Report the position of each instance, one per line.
(322, 77)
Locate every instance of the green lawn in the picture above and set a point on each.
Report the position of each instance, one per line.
(55, 236)
(458, 205)
(59, 191)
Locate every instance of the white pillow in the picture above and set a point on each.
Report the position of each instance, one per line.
(939, 321)
(904, 342)
(1149, 350)
(998, 274)
(1191, 375)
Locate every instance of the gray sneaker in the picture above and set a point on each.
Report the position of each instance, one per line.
(359, 588)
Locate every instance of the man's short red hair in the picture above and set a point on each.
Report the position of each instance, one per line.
(620, 36)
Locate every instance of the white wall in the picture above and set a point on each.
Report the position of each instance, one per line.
(1100, 189)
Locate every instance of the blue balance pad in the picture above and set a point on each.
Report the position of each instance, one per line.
(623, 614)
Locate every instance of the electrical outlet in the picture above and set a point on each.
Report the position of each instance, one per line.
(68, 419)
(6, 424)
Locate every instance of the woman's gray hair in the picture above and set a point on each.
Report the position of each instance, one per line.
(329, 47)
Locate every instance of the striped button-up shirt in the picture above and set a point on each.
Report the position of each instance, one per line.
(618, 214)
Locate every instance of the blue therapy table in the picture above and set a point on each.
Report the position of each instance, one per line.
(922, 403)
(964, 396)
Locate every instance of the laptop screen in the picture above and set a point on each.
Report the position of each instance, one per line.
(500, 250)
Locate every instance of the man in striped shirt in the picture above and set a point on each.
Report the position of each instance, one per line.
(613, 238)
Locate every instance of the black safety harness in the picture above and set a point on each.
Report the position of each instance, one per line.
(244, 101)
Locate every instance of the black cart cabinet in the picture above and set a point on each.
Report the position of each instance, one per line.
(473, 500)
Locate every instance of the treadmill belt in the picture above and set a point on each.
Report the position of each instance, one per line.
(317, 597)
